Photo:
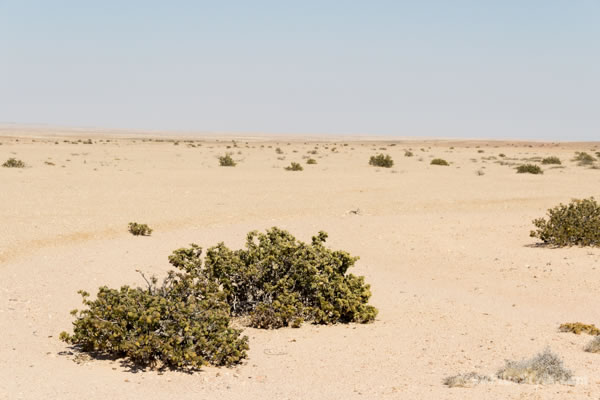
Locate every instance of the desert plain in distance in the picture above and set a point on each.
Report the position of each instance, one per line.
(459, 284)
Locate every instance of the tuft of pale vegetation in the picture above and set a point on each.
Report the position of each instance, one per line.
(439, 161)
(551, 160)
(468, 380)
(583, 159)
(139, 229)
(408, 153)
(593, 346)
(578, 328)
(529, 169)
(311, 161)
(294, 166)
(381, 160)
(13, 163)
(227, 161)
(545, 368)
(577, 223)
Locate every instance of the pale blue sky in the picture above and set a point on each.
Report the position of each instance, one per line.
(504, 68)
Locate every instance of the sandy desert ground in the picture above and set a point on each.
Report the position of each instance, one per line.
(459, 284)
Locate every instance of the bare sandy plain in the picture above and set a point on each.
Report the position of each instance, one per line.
(458, 282)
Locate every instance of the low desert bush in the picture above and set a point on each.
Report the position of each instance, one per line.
(182, 324)
(280, 281)
(544, 368)
(226, 161)
(408, 153)
(529, 169)
(311, 161)
(439, 161)
(468, 380)
(577, 328)
(551, 160)
(583, 158)
(577, 223)
(294, 167)
(13, 163)
(278, 150)
(381, 160)
(139, 229)
(593, 346)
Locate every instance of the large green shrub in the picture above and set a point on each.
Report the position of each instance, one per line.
(381, 160)
(183, 323)
(280, 281)
(275, 280)
(577, 223)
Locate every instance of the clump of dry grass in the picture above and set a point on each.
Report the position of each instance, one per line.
(551, 160)
(577, 328)
(468, 380)
(593, 346)
(544, 368)
(294, 167)
(529, 169)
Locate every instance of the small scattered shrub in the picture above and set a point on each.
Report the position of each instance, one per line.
(439, 161)
(311, 161)
(480, 172)
(544, 368)
(408, 153)
(294, 167)
(139, 229)
(583, 158)
(551, 160)
(502, 155)
(466, 380)
(577, 223)
(381, 160)
(13, 163)
(593, 346)
(278, 151)
(529, 169)
(577, 328)
(226, 161)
